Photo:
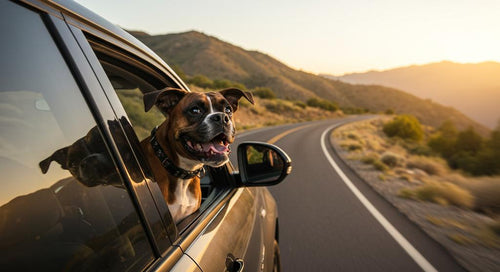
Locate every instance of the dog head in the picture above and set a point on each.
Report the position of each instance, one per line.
(87, 160)
(200, 125)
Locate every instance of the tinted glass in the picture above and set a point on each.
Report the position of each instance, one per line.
(63, 206)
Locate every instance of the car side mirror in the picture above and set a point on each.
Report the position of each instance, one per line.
(262, 164)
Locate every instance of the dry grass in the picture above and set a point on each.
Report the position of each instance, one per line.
(486, 191)
(268, 112)
(431, 165)
(444, 193)
(392, 159)
(446, 222)
(461, 239)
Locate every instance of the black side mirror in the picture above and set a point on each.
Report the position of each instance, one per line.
(262, 164)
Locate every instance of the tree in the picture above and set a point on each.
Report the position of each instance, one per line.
(443, 142)
(469, 141)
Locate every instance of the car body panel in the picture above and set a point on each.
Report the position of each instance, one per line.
(241, 222)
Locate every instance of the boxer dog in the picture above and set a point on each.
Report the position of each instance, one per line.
(197, 131)
(87, 160)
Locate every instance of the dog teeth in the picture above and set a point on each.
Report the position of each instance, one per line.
(199, 147)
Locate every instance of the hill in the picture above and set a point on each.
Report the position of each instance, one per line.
(473, 88)
(196, 53)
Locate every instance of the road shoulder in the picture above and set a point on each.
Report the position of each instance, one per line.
(473, 257)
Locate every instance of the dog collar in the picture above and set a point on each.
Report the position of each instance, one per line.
(169, 165)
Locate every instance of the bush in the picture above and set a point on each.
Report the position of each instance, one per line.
(405, 127)
(279, 106)
(224, 84)
(265, 93)
(389, 111)
(300, 104)
(392, 160)
(443, 193)
(486, 191)
(380, 166)
(322, 104)
(431, 165)
(201, 81)
(495, 227)
(370, 159)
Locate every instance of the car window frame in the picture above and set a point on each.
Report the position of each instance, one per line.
(100, 110)
(102, 113)
(222, 175)
(187, 233)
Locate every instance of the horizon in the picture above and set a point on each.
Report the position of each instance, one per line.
(326, 74)
(335, 38)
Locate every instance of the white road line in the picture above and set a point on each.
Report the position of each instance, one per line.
(414, 254)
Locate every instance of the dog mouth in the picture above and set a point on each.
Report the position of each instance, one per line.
(218, 146)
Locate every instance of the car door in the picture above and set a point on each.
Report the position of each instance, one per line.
(119, 225)
(64, 204)
(229, 225)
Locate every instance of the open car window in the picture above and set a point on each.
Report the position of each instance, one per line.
(130, 83)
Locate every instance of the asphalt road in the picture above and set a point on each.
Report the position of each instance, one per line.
(325, 227)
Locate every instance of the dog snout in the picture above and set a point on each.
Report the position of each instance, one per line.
(220, 117)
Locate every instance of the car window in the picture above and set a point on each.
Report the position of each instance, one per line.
(130, 83)
(63, 205)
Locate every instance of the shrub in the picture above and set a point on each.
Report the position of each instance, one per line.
(300, 104)
(495, 227)
(391, 159)
(279, 106)
(380, 166)
(264, 92)
(405, 127)
(354, 147)
(370, 159)
(389, 111)
(443, 193)
(486, 191)
(201, 81)
(224, 83)
(431, 165)
(322, 104)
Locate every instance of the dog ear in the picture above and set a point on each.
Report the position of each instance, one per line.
(164, 99)
(60, 156)
(233, 95)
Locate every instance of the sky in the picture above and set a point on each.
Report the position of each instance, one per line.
(331, 37)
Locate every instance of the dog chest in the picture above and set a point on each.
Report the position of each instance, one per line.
(185, 202)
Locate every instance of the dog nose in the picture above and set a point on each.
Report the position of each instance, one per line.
(220, 117)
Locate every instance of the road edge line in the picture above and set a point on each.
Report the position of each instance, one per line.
(395, 234)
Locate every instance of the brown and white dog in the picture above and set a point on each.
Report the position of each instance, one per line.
(198, 131)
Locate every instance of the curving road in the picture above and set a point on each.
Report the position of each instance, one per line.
(325, 225)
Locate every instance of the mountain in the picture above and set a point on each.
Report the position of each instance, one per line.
(196, 53)
(473, 88)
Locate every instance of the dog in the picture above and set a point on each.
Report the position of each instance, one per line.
(87, 159)
(197, 131)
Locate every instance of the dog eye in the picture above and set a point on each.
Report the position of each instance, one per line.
(228, 109)
(195, 110)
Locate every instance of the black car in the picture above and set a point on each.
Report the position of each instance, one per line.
(76, 192)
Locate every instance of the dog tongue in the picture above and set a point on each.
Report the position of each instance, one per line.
(215, 147)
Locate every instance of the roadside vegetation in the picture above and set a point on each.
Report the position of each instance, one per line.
(443, 166)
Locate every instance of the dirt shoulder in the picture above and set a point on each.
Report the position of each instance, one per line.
(466, 234)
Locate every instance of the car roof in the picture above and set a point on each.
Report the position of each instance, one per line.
(91, 23)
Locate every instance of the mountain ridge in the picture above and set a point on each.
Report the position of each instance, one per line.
(473, 88)
(196, 53)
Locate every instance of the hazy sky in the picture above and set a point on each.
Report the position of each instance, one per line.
(336, 36)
